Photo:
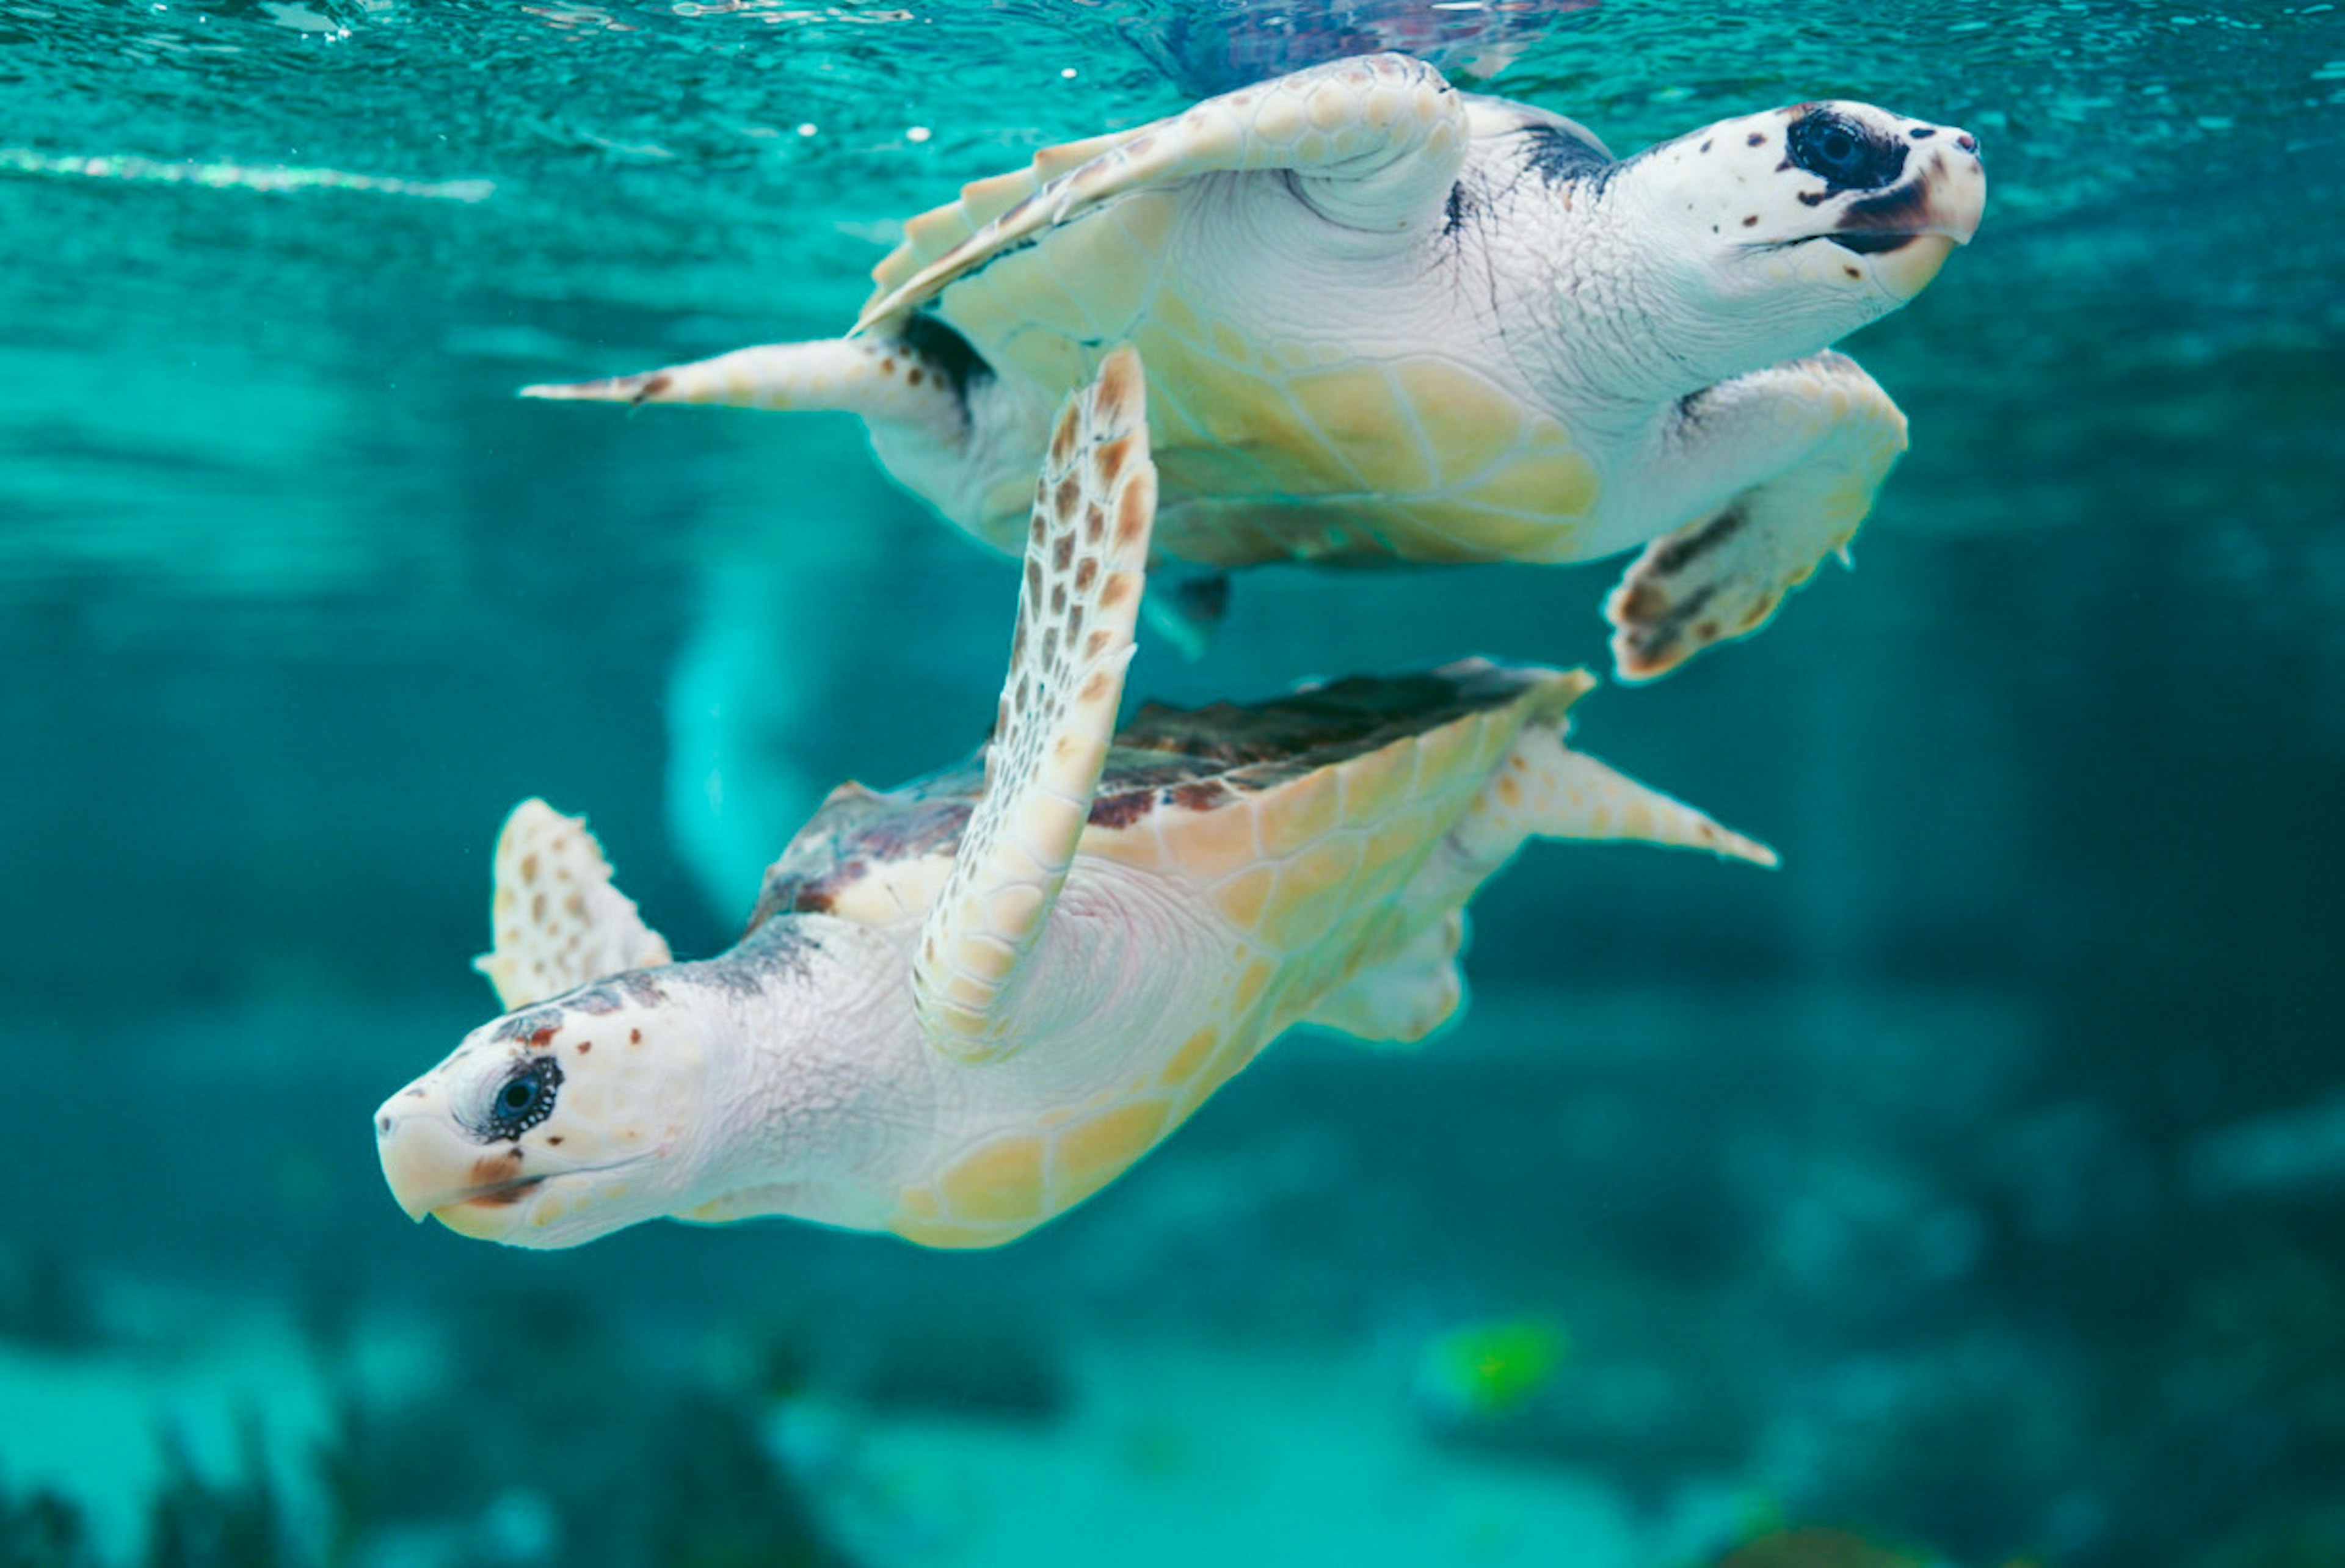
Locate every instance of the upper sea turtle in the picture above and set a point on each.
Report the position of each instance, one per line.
(1387, 319)
(964, 1006)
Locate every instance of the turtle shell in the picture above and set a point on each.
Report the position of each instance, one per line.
(1343, 433)
(1210, 795)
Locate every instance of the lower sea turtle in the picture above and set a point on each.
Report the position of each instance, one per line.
(964, 1006)
(1384, 319)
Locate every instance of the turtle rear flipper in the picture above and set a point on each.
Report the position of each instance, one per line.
(1372, 143)
(891, 381)
(1410, 986)
(1404, 998)
(1086, 556)
(559, 923)
(1722, 575)
(1547, 790)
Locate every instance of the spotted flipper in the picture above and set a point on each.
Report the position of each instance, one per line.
(886, 382)
(1409, 985)
(1374, 141)
(1722, 575)
(1086, 553)
(558, 921)
(940, 229)
(1547, 790)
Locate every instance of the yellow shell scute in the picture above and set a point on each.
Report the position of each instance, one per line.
(1296, 813)
(1230, 345)
(1209, 845)
(1395, 841)
(1375, 785)
(1362, 414)
(1540, 488)
(1314, 891)
(1191, 1059)
(1468, 422)
(998, 1182)
(1141, 846)
(945, 1237)
(1094, 1153)
(1252, 983)
(1443, 753)
(1242, 897)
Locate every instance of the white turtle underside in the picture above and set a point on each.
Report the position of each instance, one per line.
(1384, 319)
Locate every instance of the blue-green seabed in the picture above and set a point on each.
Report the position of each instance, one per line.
(1971, 1190)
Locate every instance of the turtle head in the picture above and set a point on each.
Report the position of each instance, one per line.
(1787, 229)
(562, 1121)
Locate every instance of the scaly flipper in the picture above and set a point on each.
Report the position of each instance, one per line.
(1403, 997)
(1407, 984)
(886, 382)
(1547, 790)
(1086, 556)
(1374, 141)
(558, 921)
(1722, 575)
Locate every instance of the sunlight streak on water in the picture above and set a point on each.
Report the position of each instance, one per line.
(273, 178)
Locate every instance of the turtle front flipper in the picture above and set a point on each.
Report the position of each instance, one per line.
(1086, 556)
(558, 921)
(1374, 141)
(1721, 575)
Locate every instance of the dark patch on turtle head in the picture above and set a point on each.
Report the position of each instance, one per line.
(1877, 223)
(1842, 151)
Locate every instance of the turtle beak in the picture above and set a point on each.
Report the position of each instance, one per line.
(1910, 230)
(430, 1164)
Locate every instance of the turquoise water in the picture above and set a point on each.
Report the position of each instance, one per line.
(1974, 1185)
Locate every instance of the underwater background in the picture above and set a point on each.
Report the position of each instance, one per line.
(1969, 1190)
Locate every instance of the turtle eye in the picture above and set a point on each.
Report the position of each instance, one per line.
(1835, 148)
(525, 1097)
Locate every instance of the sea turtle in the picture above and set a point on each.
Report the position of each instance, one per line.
(964, 1006)
(1385, 319)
